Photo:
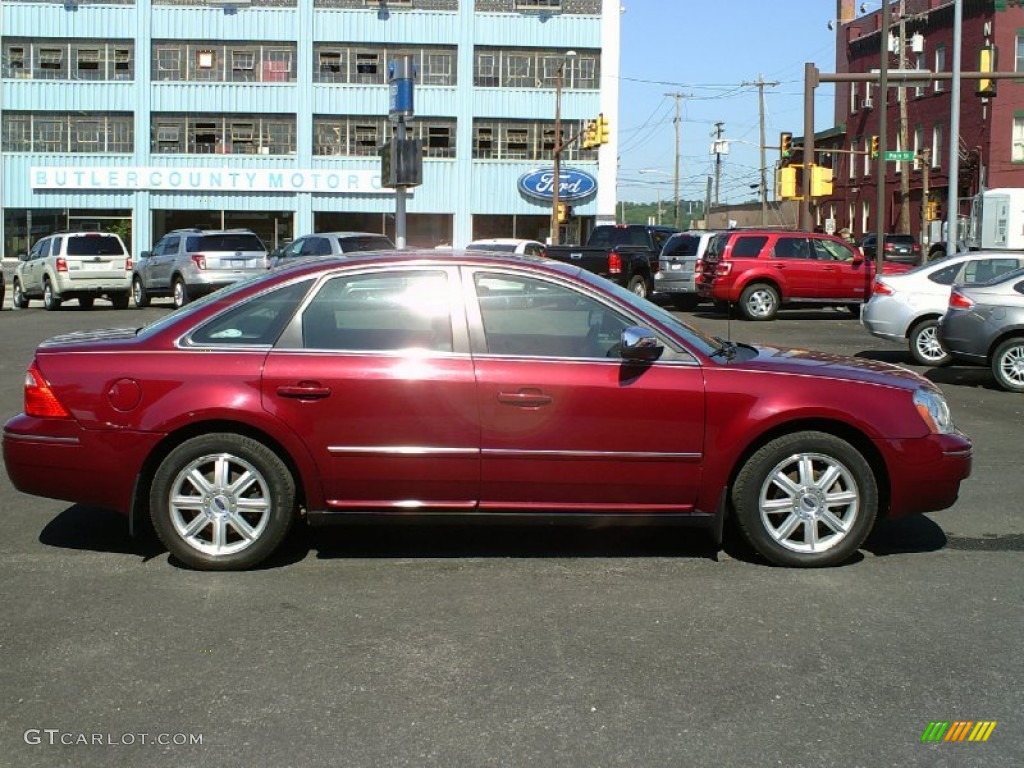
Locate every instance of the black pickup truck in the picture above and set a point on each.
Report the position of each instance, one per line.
(626, 254)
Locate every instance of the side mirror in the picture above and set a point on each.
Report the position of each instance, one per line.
(145, 254)
(639, 344)
(22, 257)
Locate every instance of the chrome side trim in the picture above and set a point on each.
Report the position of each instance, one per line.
(41, 438)
(610, 455)
(400, 450)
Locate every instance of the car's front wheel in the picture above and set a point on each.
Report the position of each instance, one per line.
(222, 502)
(19, 298)
(925, 347)
(759, 301)
(806, 499)
(1008, 364)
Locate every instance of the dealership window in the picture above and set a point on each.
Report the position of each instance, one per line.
(49, 59)
(1017, 140)
(168, 64)
(243, 65)
(361, 136)
(14, 61)
(348, 63)
(534, 68)
(89, 64)
(538, 5)
(223, 134)
(524, 140)
(237, 61)
(67, 132)
(51, 64)
(940, 66)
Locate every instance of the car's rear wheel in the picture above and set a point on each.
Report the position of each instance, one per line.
(50, 300)
(179, 292)
(222, 502)
(19, 298)
(759, 301)
(638, 285)
(853, 309)
(1008, 364)
(86, 302)
(925, 347)
(119, 300)
(806, 499)
(139, 294)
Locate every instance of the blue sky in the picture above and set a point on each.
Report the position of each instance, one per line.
(706, 51)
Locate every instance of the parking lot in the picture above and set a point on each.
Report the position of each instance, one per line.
(388, 646)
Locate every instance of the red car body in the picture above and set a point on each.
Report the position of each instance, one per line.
(469, 429)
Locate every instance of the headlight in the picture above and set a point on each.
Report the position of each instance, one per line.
(934, 410)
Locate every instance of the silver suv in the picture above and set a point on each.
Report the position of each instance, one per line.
(330, 244)
(187, 263)
(677, 263)
(74, 265)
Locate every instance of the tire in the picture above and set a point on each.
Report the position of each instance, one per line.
(854, 310)
(806, 499)
(86, 302)
(244, 502)
(18, 298)
(139, 295)
(759, 301)
(686, 301)
(51, 301)
(638, 285)
(925, 347)
(1008, 364)
(119, 300)
(179, 291)
(936, 253)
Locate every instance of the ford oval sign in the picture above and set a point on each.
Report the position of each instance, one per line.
(575, 185)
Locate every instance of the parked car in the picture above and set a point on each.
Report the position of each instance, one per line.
(187, 263)
(509, 245)
(74, 265)
(907, 307)
(330, 244)
(676, 277)
(417, 385)
(984, 325)
(903, 249)
(761, 270)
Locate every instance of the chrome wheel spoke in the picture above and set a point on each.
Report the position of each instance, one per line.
(833, 522)
(243, 528)
(789, 525)
(199, 522)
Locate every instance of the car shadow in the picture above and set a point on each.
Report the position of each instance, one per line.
(823, 314)
(915, 534)
(81, 527)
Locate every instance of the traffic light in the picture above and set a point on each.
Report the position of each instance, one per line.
(590, 136)
(785, 145)
(821, 181)
(986, 63)
(790, 186)
(931, 210)
(603, 133)
(564, 212)
(874, 146)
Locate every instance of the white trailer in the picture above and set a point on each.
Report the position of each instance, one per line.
(997, 220)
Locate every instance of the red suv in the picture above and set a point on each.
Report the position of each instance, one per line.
(760, 270)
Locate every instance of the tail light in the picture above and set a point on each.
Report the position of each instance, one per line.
(890, 247)
(40, 401)
(614, 263)
(62, 264)
(698, 266)
(958, 301)
(723, 268)
(199, 260)
(128, 265)
(915, 248)
(881, 288)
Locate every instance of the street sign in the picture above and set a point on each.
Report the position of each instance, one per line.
(901, 155)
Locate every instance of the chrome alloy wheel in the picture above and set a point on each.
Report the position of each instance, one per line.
(1010, 362)
(809, 502)
(928, 350)
(220, 504)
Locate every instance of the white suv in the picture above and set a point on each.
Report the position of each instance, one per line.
(74, 265)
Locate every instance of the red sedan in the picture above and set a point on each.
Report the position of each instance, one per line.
(459, 387)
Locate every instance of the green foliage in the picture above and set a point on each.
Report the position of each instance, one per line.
(642, 213)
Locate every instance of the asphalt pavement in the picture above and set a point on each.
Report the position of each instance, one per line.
(394, 646)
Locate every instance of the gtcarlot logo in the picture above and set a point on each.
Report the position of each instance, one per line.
(958, 730)
(57, 737)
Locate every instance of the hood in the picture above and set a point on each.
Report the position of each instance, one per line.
(87, 337)
(807, 363)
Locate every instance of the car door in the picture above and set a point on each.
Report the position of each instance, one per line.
(842, 276)
(566, 425)
(161, 263)
(798, 273)
(32, 269)
(376, 378)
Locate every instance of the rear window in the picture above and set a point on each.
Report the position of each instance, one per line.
(611, 237)
(226, 242)
(682, 245)
(365, 244)
(905, 239)
(502, 247)
(95, 245)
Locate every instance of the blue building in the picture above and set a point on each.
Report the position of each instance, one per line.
(142, 116)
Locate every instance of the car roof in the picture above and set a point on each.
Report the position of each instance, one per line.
(343, 234)
(504, 241)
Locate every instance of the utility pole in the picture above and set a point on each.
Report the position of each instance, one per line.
(719, 130)
(901, 97)
(926, 167)
(675, 187)
(883, 144)
(761, 83)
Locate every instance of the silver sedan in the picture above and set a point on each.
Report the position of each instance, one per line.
(906, 307)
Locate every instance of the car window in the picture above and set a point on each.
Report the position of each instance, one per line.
(525, 316)
(361, 243)
(830, 250)
(380, 312)
(95, 245)
(499, 247)
(946, 275)
(167, 245)
(681, 245)
(234, 241)
(534, 250)
(748, 247)
(983, 270)
(260, 320)
(660, 238)
(791, 248)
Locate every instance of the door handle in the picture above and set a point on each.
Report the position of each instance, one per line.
(779, 266)
(527, 399)
(304, 390)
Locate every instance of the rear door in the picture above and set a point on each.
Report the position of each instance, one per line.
(797, 272)
(232, 252)
(95, 257)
